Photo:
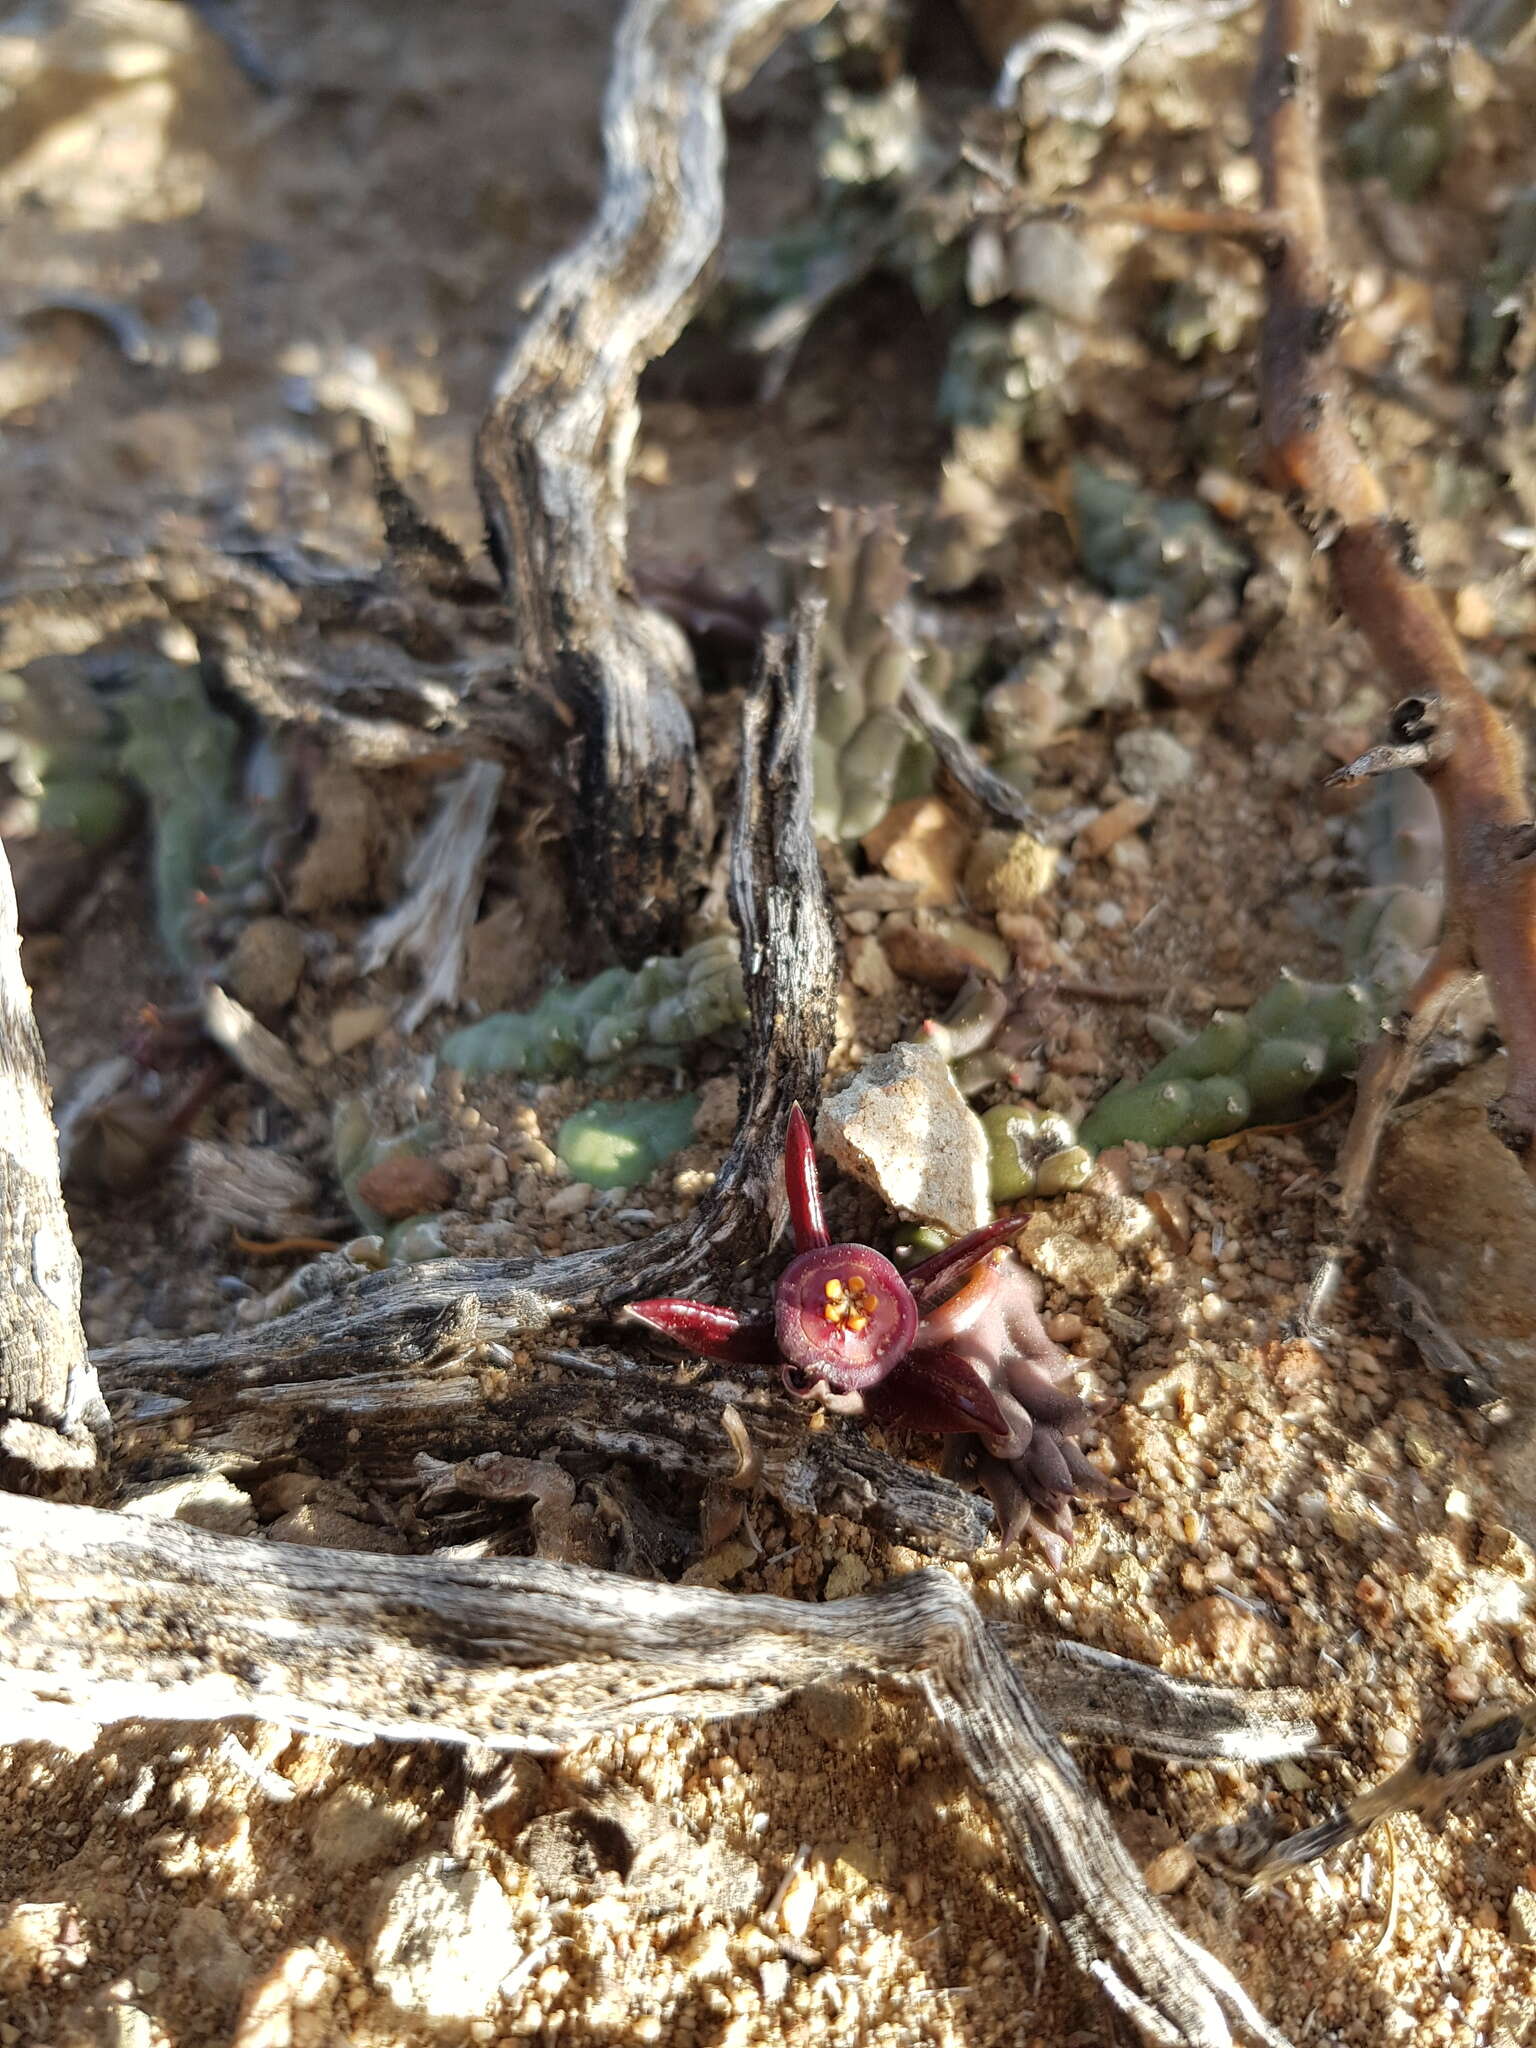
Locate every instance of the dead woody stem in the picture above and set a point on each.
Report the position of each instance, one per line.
(1443, 727)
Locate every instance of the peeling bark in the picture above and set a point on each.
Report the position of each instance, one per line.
(51, 1416)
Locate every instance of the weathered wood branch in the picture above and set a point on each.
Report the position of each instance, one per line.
(555, 443)
(1443, 727)
(51, 1415)
(1105, 1698)
(380, 1422)
(124, 1617)
(409, 1317)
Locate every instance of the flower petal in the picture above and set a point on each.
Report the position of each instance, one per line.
(938, 1391)
(926, 1279)
(712, 1332)
(802, 1184)
(1088, 1482)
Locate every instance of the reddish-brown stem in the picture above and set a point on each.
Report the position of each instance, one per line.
(1444, 728)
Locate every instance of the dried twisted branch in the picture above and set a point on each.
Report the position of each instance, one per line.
(593, 1414)
(424, 656)
(51, 1415)
(117, 1617)
(554, 445)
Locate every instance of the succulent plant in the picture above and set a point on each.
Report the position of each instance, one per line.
(1260, 1065)
(620, 1144)
(1029, 1151)
(1032, 1152)
(1242, 1068)
(866, 754)
(1409, 130)
(620, 1017)
(1087, 654)
(1005, 377)
(57, 740)
(359, 1148)
(955, 1348)
(1493, 310)
(84, 738)
(1136, 544)
(209, 841)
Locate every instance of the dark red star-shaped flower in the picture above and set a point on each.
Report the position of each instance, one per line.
(955, 1346)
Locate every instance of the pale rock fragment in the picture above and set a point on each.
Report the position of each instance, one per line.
(1075, 1264)
(1169, 1871)
(868, 968)
(353, 1828)
(207, 1953)
(903, 1128)
(328, 1529)
(444, 1937)
(1111, 826)
(268, 963)
(354, 1024)
(921, 842)
(1151, 762)
(206, 1500)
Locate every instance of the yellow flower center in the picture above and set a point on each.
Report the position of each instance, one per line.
(850, 1306)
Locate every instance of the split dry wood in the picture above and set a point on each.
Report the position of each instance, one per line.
(379, 1422)
(51, 1415)
(553, 449)
(120, 1617)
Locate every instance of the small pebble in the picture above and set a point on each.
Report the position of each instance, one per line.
(1463, 1688)
(355, 1024)
(1170, 1871)
(798, 1904)
(1102, 832)
(1151, 762)
(268, 964)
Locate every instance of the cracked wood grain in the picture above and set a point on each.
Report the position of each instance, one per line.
(51, 1414)
(554, 446)
(380, 1422)
(124, 1618)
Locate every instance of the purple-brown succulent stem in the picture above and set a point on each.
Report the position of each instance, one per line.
(925, 1280)
(802, 1184)
(712, 1332)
